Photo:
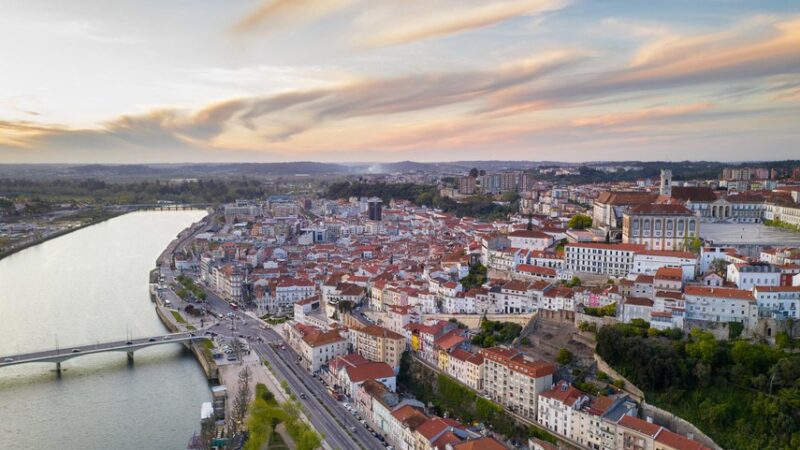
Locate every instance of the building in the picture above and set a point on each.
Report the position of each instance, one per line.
(665, 187)
(315, 347)
(637, 434)
(779, 302)
(290, 290)
(378, 344)
(609, 207)
(466, 185)
(721, 305)
(374, 208)
(659, 226)
(601, 259)
(514, 380)
(648, 262)
(530, 239)
(746, 276)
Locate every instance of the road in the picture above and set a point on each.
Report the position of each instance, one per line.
(328, 416)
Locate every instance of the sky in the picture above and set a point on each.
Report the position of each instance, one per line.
(147, 81)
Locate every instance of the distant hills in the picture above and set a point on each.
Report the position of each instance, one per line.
(682, 169)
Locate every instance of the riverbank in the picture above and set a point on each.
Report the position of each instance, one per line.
(108, 216)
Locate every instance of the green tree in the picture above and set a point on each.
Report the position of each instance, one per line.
(579, 222)
(564, 356)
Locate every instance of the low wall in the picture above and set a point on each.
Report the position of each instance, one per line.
(678, 425)
(599, 321)
(629, 387)
(473, 321)
(208, 365)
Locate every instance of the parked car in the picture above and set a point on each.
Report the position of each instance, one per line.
(8, 360)
(76, 350)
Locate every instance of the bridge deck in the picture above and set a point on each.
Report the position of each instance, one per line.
(63, 354)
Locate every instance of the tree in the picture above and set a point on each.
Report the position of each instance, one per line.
(580, 222)
(574, 282)
(564, 356)
(509, 197)
(473, 172)
(720, 266)
(482, 172)
(242, 398)
(693, 244)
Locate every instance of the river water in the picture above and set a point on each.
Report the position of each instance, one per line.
(88, 286)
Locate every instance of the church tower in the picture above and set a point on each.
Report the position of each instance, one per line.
(666, 182)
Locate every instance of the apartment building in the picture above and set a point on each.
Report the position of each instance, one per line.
(712, 304)
(514, 380)
(601, 259)
(530, 239)
(315, 346)
(378, 344)
(290, 290)
(780, 302)
(746, 276)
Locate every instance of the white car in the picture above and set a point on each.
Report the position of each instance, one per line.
(8, 360)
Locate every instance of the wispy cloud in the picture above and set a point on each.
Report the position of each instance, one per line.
(403, 24)
(374, 24)
(274, 14)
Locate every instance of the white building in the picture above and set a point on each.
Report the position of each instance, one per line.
(530, 239)
(648, 262)
(779, 301)
(746, 276)
(721, 305)
(601, 259)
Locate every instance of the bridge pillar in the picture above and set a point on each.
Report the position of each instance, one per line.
(130, 358)
(58, 368)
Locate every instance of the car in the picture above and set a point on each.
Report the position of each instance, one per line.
(352, 428)
(303, 396)
(152, 339)
(191, 334)
(166, 338)
(8, 360)
(76, 350)
(220, 316)
(129, 343)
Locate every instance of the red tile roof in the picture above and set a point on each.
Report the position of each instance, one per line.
(716, 292)
(369, 371)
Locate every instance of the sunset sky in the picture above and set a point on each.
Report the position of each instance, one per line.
(136, 81)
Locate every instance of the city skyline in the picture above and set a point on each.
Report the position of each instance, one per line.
(357, 81)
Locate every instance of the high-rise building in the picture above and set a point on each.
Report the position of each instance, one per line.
(466, 185)
(374, 208)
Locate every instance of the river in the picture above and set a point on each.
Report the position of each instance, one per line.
(87, 286)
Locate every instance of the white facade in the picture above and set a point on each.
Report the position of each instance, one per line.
(649, 262)
(601, 259)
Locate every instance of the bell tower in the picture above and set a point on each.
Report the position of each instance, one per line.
(666, 182)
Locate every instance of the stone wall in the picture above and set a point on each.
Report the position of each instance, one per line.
(677, 425)
(599, 321)
(629, 387)
(473, 321)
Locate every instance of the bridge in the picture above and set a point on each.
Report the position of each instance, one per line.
(162, 206)
(60, 355)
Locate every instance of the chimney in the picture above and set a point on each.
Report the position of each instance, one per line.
(649, 419)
